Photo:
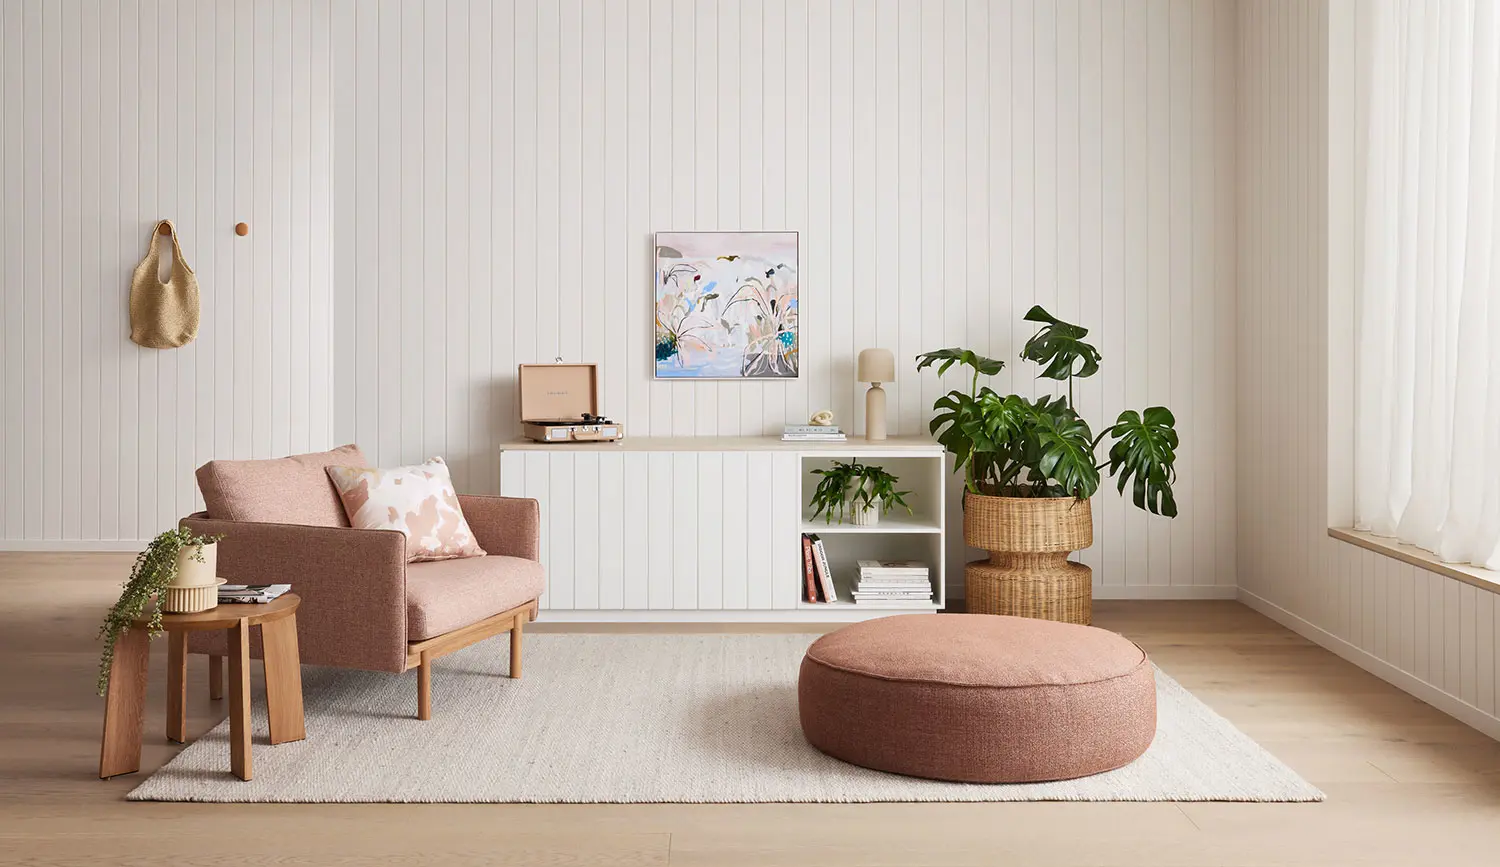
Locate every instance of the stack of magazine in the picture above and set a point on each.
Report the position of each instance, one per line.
(251, 593)
(892, 584)
(812, 433)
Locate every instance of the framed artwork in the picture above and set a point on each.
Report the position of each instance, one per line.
(726, 305)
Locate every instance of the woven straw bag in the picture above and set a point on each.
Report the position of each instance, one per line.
(163, 315)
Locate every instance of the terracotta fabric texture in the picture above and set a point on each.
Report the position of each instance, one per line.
(510, 526)
(354, 583)
(451, 594)
(978, 698)
(290, 490)
(418, 500)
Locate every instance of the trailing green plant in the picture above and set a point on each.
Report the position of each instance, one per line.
(846, 488)
(154, 569)
(1008, 445)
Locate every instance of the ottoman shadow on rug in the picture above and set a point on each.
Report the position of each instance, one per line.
(648, 719)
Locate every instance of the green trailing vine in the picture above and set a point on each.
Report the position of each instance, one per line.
(154, 569)
(847, 487)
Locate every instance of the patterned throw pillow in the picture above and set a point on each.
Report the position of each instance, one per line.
(419, 501)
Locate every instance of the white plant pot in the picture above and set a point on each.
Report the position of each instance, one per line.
(865, 517)
(196, 586)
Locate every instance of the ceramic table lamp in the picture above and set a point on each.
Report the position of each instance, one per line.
(876, 366)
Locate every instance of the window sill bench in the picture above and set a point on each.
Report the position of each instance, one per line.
(1484, 579)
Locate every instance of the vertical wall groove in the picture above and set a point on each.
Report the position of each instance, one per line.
(440, 190)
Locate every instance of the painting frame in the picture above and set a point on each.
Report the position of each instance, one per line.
(763, 333)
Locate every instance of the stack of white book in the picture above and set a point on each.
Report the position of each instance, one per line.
(812, 433)
(892, 583)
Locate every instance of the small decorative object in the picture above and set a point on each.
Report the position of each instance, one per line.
(163, 315)
(863, 491)
(876, 366)
(196, 586)
(726, 305)
(1030, 468)
(822, 418)
(154, 569)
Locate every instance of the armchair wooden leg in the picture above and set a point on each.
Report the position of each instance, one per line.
(215, 677)
(424, 688)
(515, 646)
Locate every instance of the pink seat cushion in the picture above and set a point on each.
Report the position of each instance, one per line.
(290, 490)
(978, 698)
(445, 595)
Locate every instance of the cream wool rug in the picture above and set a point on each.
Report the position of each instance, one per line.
(647, 719)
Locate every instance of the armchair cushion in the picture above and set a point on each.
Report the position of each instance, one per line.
(291, 490)
(445, 595)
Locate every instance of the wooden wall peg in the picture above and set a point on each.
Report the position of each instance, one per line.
(164, 229)
(242, 229)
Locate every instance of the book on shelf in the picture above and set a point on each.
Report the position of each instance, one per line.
(810, 578)
(892, 567)
(814, 438)
(822, 569)
(892, 583)
(254, 594)
(812, 429)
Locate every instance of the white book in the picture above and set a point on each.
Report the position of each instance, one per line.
(868, 603)
(822, 569)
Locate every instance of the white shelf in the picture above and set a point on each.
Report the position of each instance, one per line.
(876, 610)
(891, 523)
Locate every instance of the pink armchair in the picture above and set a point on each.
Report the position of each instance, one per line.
(363, 606)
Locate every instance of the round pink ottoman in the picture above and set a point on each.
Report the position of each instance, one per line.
(978, 698)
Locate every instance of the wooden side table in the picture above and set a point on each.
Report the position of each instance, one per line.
(125, 700)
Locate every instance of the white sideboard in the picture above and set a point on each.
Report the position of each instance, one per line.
(710, 528)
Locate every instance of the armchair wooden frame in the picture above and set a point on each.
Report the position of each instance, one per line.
(420, 654)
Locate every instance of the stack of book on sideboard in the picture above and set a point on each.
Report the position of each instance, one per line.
(892, 584)
(812, 433)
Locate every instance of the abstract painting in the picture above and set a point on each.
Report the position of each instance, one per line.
(726, 305)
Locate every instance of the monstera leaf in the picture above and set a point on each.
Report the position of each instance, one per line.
(1059, 347)
(1067, 449)
(1145, 450)
(950, 357)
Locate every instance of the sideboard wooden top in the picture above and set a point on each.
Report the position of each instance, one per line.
(855, 445)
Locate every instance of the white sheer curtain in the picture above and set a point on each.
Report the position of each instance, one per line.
(1427, 462)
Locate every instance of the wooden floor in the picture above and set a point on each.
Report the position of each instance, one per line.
(1407, 785)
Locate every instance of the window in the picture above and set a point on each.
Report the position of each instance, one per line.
(1427, 406)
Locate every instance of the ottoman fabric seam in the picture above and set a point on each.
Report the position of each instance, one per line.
(1145, 660)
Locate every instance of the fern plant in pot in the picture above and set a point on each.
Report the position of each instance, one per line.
(864, 492)
(1030, 466)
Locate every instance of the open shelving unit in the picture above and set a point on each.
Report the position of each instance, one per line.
(897, 536)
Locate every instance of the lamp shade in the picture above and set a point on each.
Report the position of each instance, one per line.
(877, 365)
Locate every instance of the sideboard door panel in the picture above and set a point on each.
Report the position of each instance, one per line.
(660, 530)
(735, 581)
(682, 511)
(758, 529)
(586, 530)
(612, 518)
(633, 508)
(711, 530)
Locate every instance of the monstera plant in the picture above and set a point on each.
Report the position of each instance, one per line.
(1030, 466)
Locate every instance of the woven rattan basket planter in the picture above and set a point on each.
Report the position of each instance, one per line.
(1028, 573)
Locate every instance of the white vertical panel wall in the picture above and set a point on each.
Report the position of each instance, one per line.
(439, 190)
(1300, 111)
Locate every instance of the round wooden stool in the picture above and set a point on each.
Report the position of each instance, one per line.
(125, 700)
